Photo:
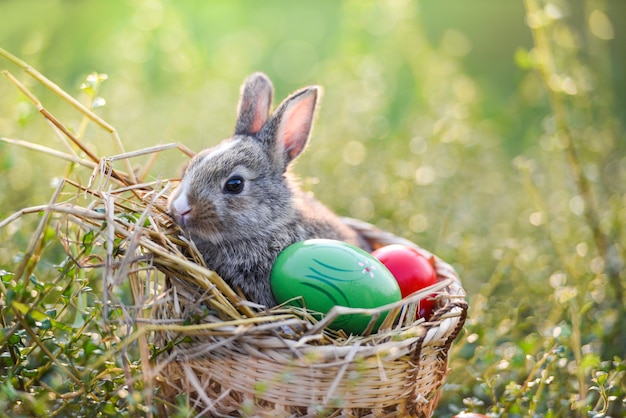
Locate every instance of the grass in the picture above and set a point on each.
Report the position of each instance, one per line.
(536, 234)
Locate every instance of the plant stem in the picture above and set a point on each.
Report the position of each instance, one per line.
(576, 341)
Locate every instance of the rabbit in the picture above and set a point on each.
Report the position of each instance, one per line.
(239, 202)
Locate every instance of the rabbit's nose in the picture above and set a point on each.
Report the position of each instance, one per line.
(183, 220)
(181, 208)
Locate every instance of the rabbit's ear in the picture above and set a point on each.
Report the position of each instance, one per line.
(254, 104)
(291, 123)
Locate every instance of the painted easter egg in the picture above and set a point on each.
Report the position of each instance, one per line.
(412, 270)
(321, 273)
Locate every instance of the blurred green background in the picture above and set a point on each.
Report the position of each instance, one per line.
(437, 123)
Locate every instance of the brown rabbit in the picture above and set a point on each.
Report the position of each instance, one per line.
(238, 201)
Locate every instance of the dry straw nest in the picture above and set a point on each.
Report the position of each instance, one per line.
(228, 355)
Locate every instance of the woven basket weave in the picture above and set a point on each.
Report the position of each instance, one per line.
(273, 370)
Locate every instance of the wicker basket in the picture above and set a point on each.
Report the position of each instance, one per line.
(273, 369)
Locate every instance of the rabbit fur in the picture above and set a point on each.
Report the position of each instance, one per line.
(238, 201)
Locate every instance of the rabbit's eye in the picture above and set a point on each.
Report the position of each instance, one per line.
(234, 185)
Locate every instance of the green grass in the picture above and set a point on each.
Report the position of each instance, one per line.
(518, 181)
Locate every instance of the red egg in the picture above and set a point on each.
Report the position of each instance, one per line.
(411, 270)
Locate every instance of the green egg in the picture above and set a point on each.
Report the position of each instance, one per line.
(326, 273)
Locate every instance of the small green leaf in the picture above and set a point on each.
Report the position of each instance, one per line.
(10, 296)
(590, 360)
(39, 316)
(37, 283)
(29, 372)
(601, 378)
(49, 234)
(130, 217)
(88, 237)
(90, 347)
(88, 240)
(14, 339)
